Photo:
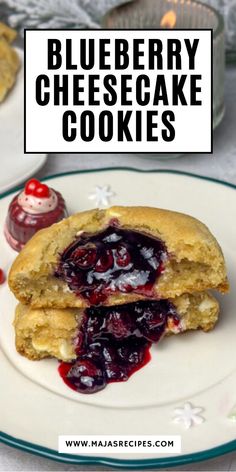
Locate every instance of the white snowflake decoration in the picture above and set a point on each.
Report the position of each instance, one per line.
(102, 195)
(188, 415)
(232, 414)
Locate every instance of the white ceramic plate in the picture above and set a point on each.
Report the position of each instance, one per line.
(36, 406)
(15, 165)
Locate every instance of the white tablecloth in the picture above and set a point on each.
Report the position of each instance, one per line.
(221, 165)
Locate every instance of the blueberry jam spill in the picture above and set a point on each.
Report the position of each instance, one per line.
(114, 342)
(94, 266)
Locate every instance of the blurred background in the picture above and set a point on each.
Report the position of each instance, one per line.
(22, 14)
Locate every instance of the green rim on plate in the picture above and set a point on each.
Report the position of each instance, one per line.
(137, 464)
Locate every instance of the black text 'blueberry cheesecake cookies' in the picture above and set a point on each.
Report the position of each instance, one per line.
(98, 288)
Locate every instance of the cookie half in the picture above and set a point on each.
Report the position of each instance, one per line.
(51, 332)
(117, 256)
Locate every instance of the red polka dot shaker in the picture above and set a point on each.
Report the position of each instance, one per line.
(37, 206)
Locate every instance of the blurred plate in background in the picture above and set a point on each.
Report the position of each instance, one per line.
(15, 165)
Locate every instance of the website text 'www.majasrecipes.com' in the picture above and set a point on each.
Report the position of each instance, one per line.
(76, 444)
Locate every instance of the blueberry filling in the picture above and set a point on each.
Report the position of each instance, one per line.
(114, 260)
(114, 342)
